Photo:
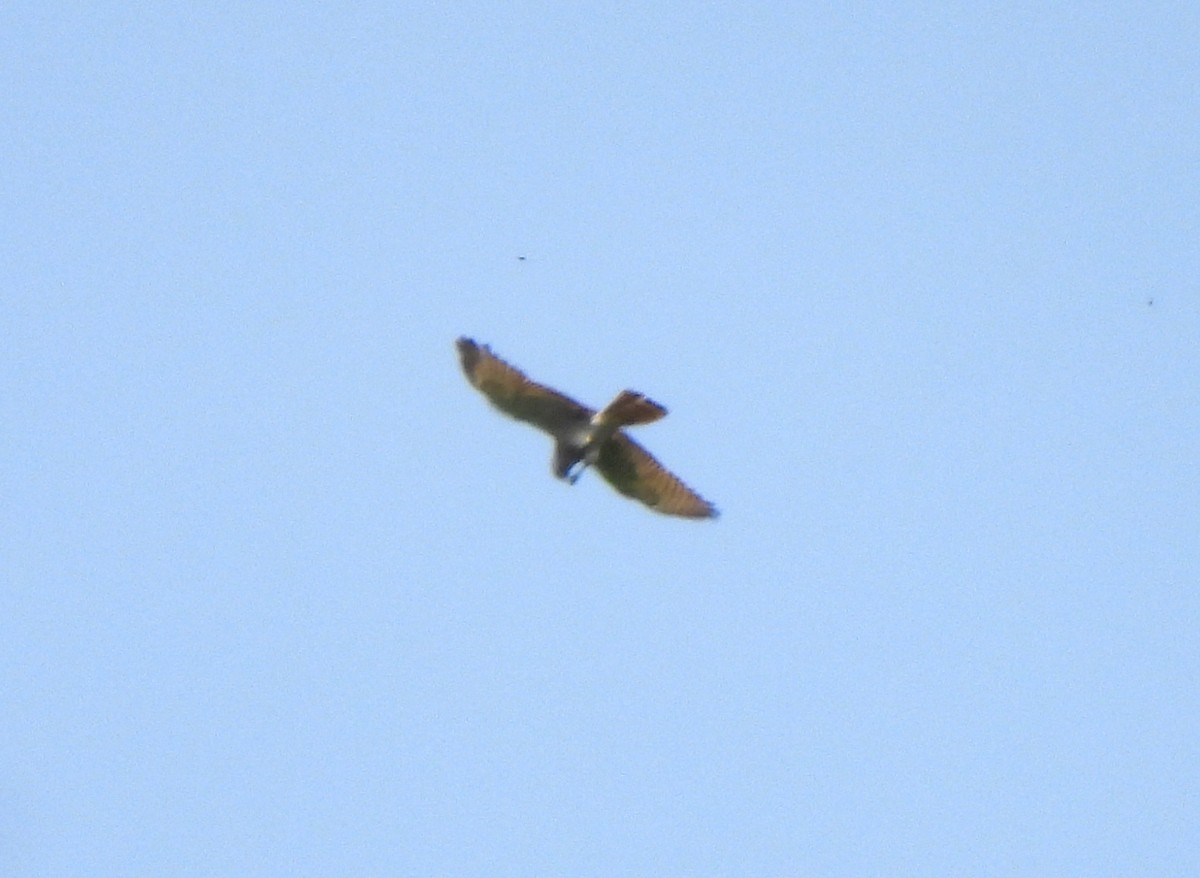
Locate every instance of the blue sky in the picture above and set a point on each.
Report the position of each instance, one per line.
(281, 595)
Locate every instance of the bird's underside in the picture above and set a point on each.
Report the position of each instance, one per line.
(585, 437)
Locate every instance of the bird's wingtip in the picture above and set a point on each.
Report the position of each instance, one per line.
(468, 353)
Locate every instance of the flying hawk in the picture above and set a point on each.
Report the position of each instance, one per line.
(584, 437)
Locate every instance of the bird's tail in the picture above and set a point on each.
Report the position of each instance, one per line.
(629, 409)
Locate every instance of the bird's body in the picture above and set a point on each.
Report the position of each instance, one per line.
(585, 437)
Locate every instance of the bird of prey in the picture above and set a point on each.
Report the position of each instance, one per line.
(584, 437)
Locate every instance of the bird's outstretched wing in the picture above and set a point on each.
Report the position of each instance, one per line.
(509, 390)
(633, 471)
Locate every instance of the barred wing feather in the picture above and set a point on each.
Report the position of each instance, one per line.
(511, 391)
(633, 471)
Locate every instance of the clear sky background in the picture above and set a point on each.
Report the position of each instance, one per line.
(282, 596)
